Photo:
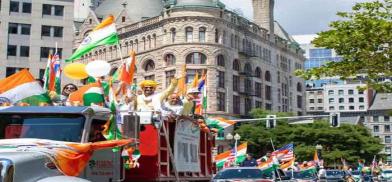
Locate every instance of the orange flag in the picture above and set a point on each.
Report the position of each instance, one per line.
(195, 81)
(182, 82)
(69, 158)
(128, 69)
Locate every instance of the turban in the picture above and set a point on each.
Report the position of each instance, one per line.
(148, 83)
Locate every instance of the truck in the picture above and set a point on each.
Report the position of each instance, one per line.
(170, 151)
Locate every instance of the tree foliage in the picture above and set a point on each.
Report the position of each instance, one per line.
(363, 39)
(350, 142)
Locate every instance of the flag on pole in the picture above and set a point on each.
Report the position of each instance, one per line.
(56, 85)
(22, 87)
(219, 123)
(104, 34)
(231, 157)
(288, 164)
(88, 95)
(48, 73)
(284, 154)
(201, 103)
(195, 81)
(182, 87)
(127, 69)
(111, 131)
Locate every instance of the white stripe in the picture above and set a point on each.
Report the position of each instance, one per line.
(94, 90)
(98, 35)
(23, 91)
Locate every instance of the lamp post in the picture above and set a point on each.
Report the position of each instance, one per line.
(236, 137)
(319, 148)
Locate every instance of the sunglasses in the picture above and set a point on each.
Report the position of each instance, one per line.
(70, 87)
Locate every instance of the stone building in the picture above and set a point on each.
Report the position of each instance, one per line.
(247, 65)
(30, 29)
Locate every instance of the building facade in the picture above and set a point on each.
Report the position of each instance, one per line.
(315, 101)
(29, 31)
(245, 68)
(379, 119)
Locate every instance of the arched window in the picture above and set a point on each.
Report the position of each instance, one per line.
(173, 34)
(202, 34)
(131, 45)
(258, 72)
(236, 65)
(137, 45)
(196, 58)
(149, 42)
(189, 34)
(216, 36)
(267, 76)
(144, 43)
(220, 59)
(299, 87)
(149, 66)
(170, 59)
(248, 69)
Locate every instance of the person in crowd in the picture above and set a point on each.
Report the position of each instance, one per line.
(172, 107)
(151, 101)
(62, 99)
(188, 103)
(322, 173)
(249, 161)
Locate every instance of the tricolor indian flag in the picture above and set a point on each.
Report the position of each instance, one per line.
(104, 34)
(232, 156)
(88, 95)
(219, 123)
(22, 87)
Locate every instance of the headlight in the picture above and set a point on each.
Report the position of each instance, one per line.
(6, 170)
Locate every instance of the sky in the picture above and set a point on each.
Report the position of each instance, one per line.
(299, 16)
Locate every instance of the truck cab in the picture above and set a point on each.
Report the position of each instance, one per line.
(70, 124)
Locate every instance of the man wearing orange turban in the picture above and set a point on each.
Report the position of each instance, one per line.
(151, 101)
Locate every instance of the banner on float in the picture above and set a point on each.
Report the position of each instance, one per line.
(186, 147)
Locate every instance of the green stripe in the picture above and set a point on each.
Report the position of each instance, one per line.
(112, 39)
(239, 159)
(35, 100)
(46, 77)
(58, 85)
(90, 98)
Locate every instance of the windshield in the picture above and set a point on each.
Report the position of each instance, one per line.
(387, 172)
(66, 127)
(242, 174)
(334, 173)
(355, 173)
(300, 175)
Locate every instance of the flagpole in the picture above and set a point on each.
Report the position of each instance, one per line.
(272, 143)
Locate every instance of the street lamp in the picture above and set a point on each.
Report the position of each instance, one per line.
(319, 148)
(229, 136)
(236, 137)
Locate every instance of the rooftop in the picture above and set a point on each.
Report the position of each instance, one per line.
(382, 101)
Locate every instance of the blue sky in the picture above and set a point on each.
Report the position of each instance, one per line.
(299, 16)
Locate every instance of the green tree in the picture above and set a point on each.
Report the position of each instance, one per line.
(363, 39)
(350, 142)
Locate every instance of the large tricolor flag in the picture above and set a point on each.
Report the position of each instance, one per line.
(88, 95)
(219, 123)
(104, 34)
(231, 157)
(22, 87)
